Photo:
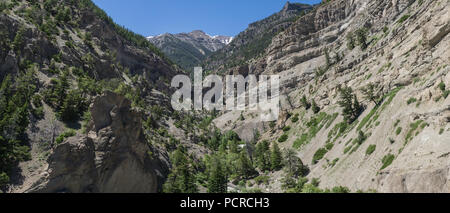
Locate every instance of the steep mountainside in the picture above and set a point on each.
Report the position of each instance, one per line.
(57, 58)
(364, 96)
(85, 104)
(189, 49)
(252, 42)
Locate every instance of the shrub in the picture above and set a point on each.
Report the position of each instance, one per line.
(371, 149)
(283, 138)
(396, 123)
(65, 135)
(314, 107)
(403, 18)
(272, 124)
(411, 100)
(4, 179)
(361, 37)
(295, 118)
(340, 189)
(387, 160)
(70, 44)
(305, 102)
(329, 146)
(398, 131)
(442, 86)
(441, 131)
(286, 129)
(350, 41)
(319, 155)
(263, 179)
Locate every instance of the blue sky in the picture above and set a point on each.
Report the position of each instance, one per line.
(215, 17)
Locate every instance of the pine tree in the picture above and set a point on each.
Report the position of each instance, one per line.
(276, 158)
(349, 102)
(350, 41)
(262, 155)
(371, 94)
(294, 164)
(181, 179)
(245, 167)
(361, 37)
(217, 181)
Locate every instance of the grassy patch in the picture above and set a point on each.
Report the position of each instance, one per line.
(403, 19)
(319, 155)
(63, 136)
(314, 126)
(412, 130)
(283, 138)
(387, 160)
(398, 131)
(411, 100)
(371, 149)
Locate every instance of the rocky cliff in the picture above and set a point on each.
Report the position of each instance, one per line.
(251, 43)
(112, 157)
(400, 48)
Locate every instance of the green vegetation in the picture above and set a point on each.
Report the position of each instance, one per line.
(263, 179)
(65, 135)
(133, 38)
(181, 179)
(361, 37)
(350, 41)
(262, 155)
(396, 123)
(314, 107)
(387, 160)
(283, 138)
(371, 149)
(15, 106)
(70, 104)
(305, 102)
(293, 164)
(276, 158)
(403, 19)
(295, 118)
(441, 131)
(411, 100)
(319, 155)
(371, 93)
(358, 37)
(445, 92)
(398, 131)
(412, 130)
(314, 126)
(349, 102)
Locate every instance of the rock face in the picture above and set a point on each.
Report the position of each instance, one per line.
(189, 49)
(407, 51)
(113, 157)
(253, 41)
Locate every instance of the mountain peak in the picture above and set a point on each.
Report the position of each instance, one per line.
(294, 7)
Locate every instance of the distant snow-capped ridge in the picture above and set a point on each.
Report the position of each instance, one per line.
(198, 33)
(224, 39)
